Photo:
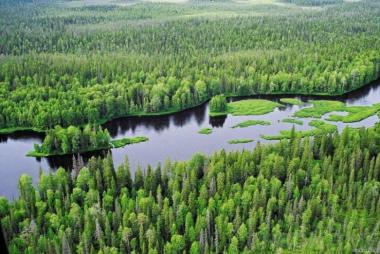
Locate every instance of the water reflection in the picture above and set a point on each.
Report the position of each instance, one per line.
(170, 136)
(218, 121)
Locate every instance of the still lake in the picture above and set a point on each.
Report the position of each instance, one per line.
(173, 137)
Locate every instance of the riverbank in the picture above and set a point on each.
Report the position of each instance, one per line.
(175, 137)
(337, 96)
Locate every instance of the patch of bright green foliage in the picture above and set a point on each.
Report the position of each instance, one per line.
(292, 101)
(128, 141)
(320, 108)
(320, 127)
(240, 141)
(251, 123)
(205, 131)
(249, 107)
(355, 113)
(293, 121)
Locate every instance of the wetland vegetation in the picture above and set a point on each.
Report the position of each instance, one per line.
(319, 127)
(206, 131)
(251, 123)
(244, 107)
(322, 107)
(293, 121)
(240, 141)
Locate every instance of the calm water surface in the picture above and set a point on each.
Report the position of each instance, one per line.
(173, 137)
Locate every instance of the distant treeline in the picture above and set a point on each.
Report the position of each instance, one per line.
(314, 2)
(73, 66)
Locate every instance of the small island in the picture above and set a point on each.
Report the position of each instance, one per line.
(251, 123)
(71, 140)
(292, 121)
(205, 131)
(220, 107)
(240, 141)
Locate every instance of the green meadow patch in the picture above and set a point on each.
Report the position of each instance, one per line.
(248, 107)
(251, 123)
(240, 141)
(320, 127)
(205, 131)
(128, 141)
(293, 121)
(320, 108)
(355, 113)
(251, 107)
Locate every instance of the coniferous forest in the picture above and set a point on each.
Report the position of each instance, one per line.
(65, 64)
(300, 195)
(69, 67)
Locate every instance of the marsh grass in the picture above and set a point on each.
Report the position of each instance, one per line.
(320, 127)
(355, 113)
(251, 123)
(205, 131)
(240, 141)
(251, 107)
(292, 121)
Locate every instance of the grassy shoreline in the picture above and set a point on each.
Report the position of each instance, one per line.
(248, 107)
(116, 143)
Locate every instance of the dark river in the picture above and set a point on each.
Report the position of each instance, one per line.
(173, 137)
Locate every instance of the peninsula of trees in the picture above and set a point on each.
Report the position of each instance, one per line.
(72, 140)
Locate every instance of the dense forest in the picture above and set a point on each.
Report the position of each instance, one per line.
(300, 195)
(63, 64)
